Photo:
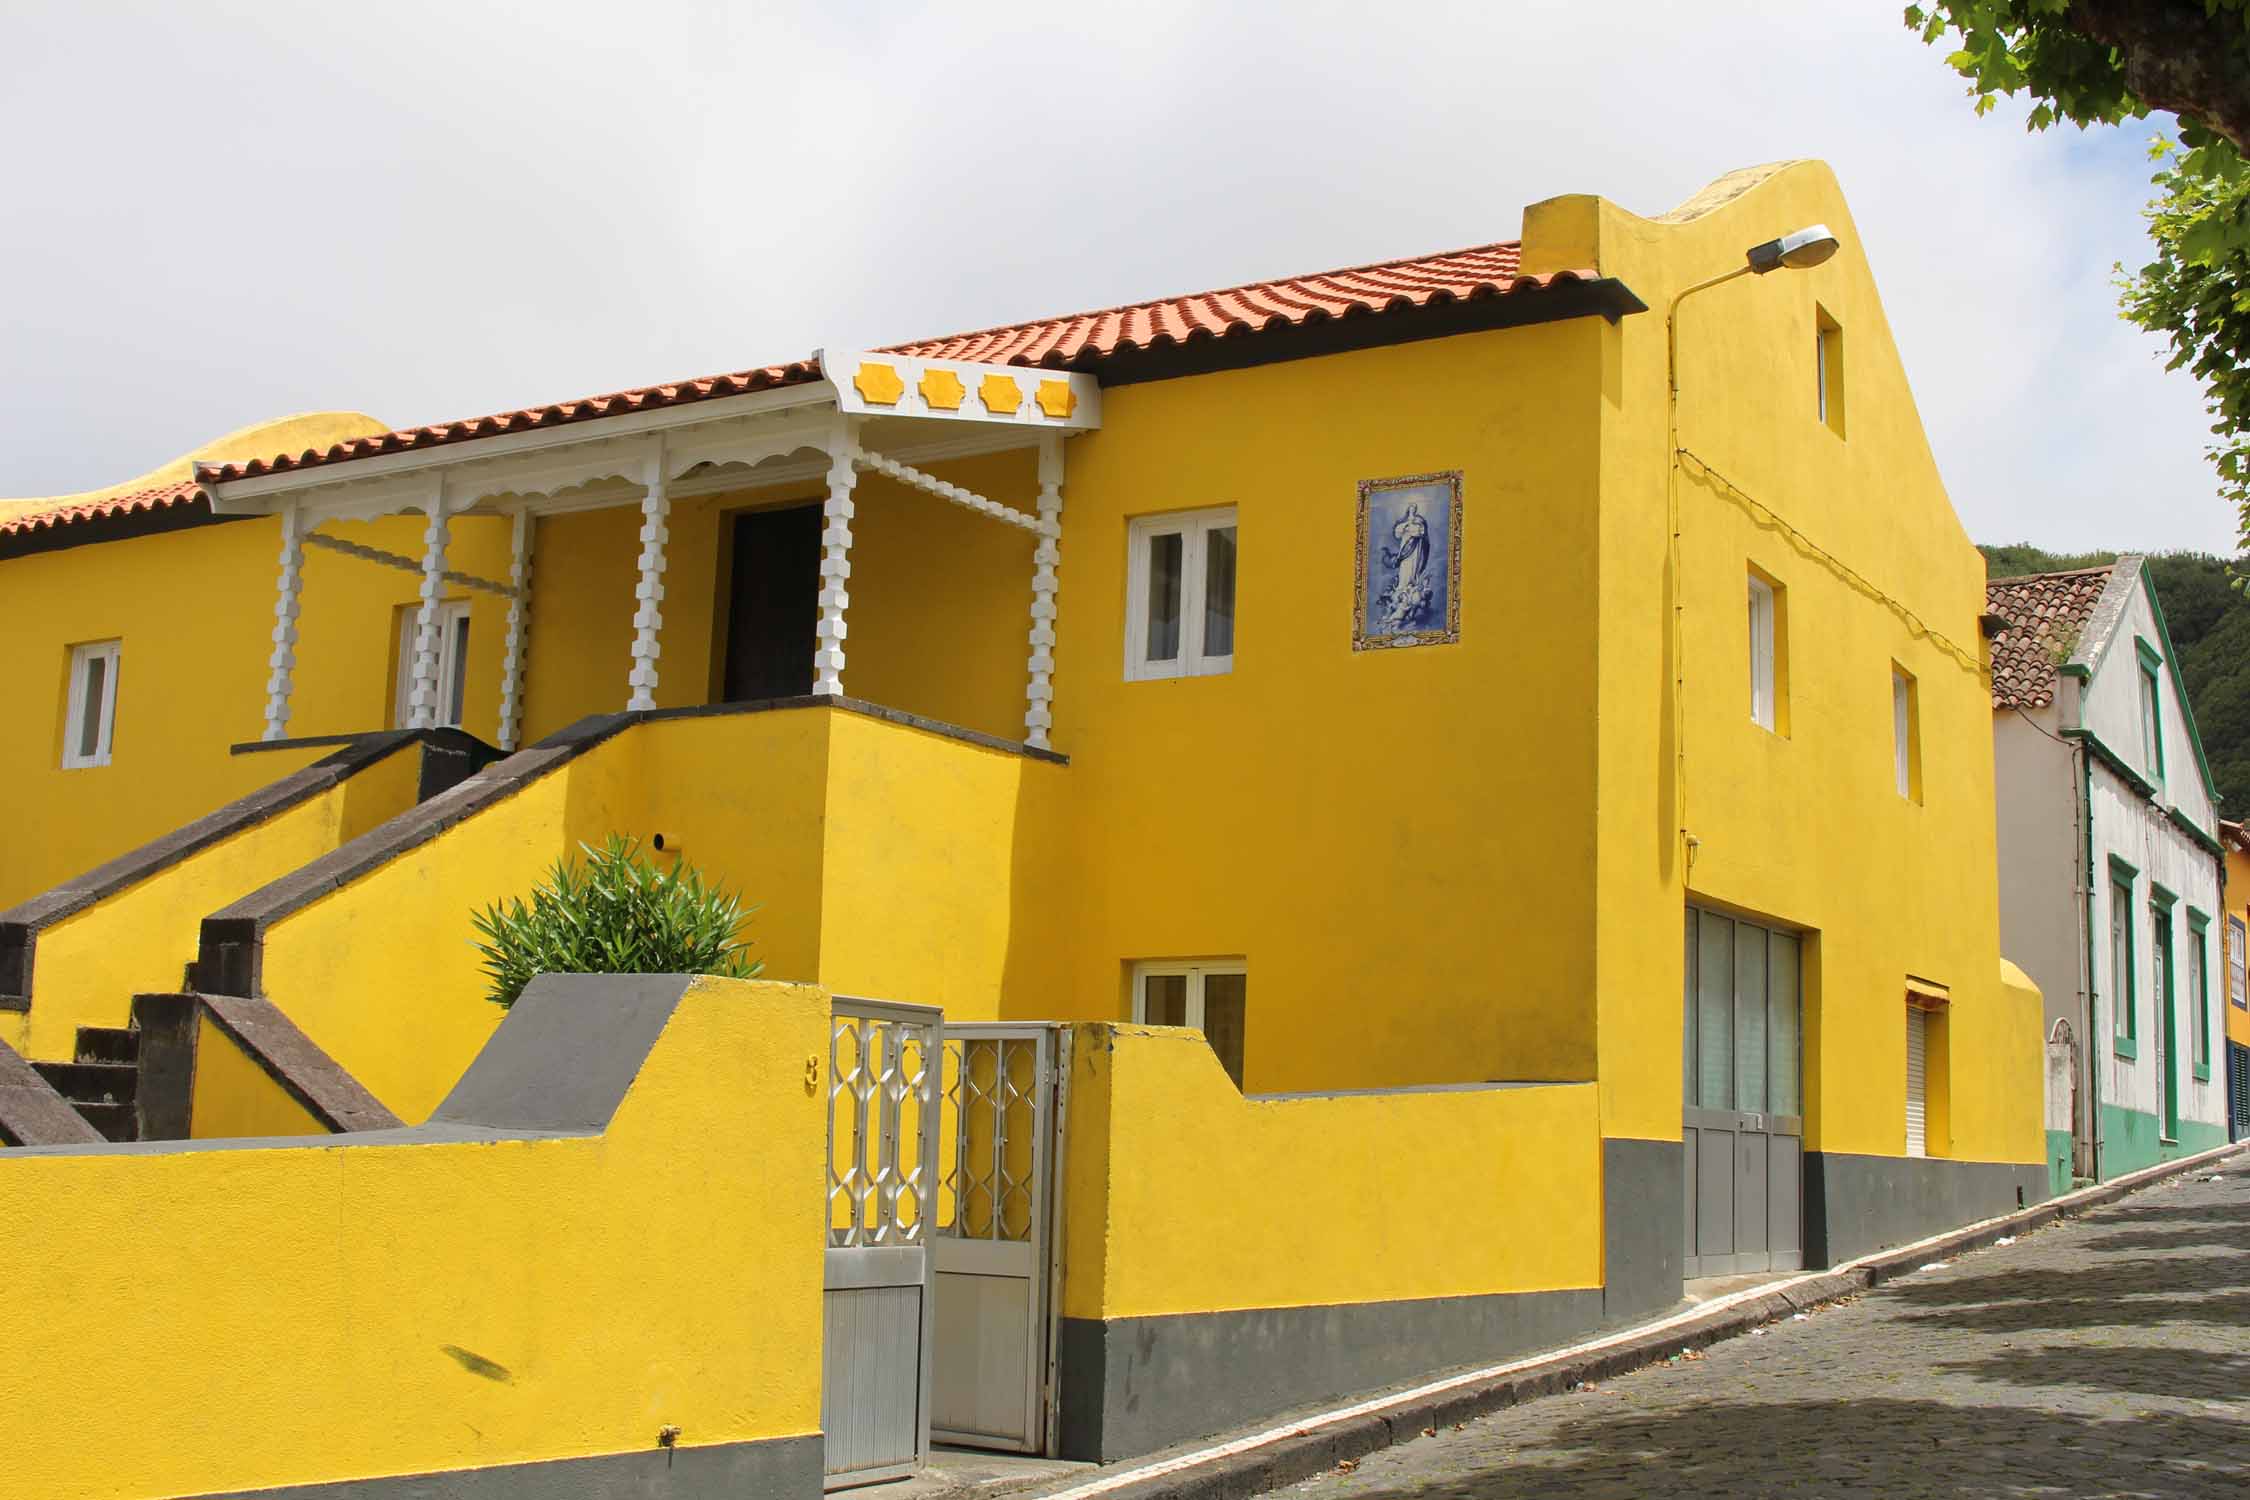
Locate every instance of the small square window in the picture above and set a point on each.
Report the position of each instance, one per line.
(90, 716)
(451, 619)
(1211, 995)
(1180, 611)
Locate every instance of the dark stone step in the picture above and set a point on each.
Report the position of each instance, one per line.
(108, 1044)
(116, 1122)
(85, 1083)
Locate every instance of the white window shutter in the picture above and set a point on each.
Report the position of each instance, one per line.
(1917, 1084)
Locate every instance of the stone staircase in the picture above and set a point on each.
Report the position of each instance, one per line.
(102, 1082)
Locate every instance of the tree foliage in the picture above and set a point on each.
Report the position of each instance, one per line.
(2210, 627)
(2103, 62)
(614, 912)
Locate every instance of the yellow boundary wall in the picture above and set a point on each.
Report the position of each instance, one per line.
(398, 1303)
(1181, 1195)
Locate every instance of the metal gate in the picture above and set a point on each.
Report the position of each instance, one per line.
(1743, 1125)
(994, 1260)
(877, 1310)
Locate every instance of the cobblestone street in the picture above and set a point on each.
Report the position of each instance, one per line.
(2108, 1355)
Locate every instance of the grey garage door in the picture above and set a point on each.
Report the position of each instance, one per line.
(1743, 1126)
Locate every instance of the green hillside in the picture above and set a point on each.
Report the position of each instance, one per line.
(2210, 625)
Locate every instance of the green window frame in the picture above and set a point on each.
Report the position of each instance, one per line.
(2124, 959)
(2199, 992)
(2152, 710)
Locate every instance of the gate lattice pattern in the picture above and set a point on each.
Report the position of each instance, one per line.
(991, 1116)
(881, 1155)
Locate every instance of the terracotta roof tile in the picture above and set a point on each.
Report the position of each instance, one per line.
(1077, 340)
(158, 497)
(2046, 615)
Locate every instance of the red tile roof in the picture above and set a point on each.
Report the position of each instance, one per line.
(2046, 615)
(1079, 340)
(158, 497)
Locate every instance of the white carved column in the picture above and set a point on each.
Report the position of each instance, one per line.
(281, 665)
(648, 613)
(1038, 716)
(423, 702)
(519, 632)
(835, 563)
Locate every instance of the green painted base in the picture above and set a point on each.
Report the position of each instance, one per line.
(2129, 1141)
(2058, 1163)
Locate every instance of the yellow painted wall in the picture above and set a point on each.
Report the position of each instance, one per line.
(194, 611)
(87, 967)
(1399, 842)
(941, 600)
(233, 1097)
(316, 1300)
(1186, 1197)
(1803, 829)
(2238, 906)
(878, 855)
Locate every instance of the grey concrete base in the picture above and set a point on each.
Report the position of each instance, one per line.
(1643, 1210)
(1855, 1205)
(779, 1467)
(1132, 1385)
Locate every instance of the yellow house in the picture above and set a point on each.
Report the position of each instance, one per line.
(2234, 935)
(1525, 707)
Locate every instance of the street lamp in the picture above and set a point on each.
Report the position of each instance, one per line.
(1796, 251)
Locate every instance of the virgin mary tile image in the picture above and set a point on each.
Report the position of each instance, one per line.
(1409, 559)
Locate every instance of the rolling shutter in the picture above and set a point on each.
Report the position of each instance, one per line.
(1917, 1085)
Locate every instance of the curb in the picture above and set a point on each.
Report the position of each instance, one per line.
(1316, 1445)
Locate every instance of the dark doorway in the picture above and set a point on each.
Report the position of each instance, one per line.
(774, 603)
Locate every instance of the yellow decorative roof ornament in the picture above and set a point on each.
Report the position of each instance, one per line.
(942, 389)
(1056, 398)
(879, 385)
(1000, 394)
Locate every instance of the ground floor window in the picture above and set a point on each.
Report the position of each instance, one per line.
(1211, 995)
(1917, 1081)
(452, 620)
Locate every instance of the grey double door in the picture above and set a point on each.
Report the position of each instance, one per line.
(1742, 1078)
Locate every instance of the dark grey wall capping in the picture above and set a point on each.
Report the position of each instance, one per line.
(1855, 1205)
(1133, 1385)
(231, 955)
(571, 1053)
(32, 1113)
(556, 1068)
(773, 1467)
(169, 1031)
(20, 925)
(1491, 1086)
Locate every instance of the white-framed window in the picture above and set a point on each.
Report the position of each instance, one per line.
(1906, 753)
(2238, 964)
(1179, 594)
(452, 618)
(90, 716)
(1209, 994)
(1762, 684)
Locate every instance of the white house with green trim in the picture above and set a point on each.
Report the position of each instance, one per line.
(2111, 869)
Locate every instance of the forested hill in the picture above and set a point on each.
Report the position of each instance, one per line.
(2210, 625)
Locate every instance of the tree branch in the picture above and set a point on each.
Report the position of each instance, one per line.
(2179, 57)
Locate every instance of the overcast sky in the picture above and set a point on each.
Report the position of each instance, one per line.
(221, 213)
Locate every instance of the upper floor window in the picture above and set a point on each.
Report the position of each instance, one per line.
(1764, 675)
(2238, 964)
(1211, 995)
(1179, 593)
(1906, 733)
(2152, 719)
(1828, 369)
(452, 619)
(90, 717)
